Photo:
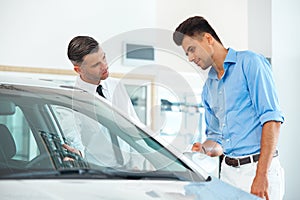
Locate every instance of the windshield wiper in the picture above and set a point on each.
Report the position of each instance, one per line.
(86, 173)
(138, 175)
(112, 173)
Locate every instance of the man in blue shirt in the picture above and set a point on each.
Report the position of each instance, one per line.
(242, 113)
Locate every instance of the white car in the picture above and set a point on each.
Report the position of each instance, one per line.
(37, 119)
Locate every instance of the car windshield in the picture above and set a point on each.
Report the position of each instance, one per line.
(35, 122)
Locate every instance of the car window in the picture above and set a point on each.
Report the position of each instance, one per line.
(95, 141)
(92, 136)
(17, 125)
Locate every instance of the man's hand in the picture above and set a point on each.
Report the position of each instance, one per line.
(71, 149)
(197, 147)
(259, 186)
(209, 147)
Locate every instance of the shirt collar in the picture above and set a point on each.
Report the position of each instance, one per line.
(231, 57)
(90, 88)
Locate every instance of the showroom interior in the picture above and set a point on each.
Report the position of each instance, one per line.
(35, 33)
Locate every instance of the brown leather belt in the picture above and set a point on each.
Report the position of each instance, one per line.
(236, 162)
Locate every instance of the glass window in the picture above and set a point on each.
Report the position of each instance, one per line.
(95, 140)
(26, 147)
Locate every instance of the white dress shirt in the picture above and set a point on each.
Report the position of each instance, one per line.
(114, 91)
(98, 137)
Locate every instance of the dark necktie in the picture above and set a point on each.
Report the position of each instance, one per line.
(113, 137)
(99, 91)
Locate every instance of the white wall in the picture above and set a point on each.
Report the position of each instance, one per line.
(260, 26)
(286, 67)
(35, 33)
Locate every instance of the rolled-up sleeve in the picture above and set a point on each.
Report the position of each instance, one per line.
(262, 88)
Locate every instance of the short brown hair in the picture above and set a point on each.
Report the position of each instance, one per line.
(81, 46)
(191, 27)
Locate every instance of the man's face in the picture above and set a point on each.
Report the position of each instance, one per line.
(94, 67)
(198, 50)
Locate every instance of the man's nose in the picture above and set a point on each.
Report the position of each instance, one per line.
(104, 65)
(191, 57)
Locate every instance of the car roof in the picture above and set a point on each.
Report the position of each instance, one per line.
(35, 82)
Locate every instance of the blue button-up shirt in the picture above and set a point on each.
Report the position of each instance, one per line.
(238, 104)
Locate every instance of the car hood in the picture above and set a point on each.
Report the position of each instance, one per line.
(118, 189)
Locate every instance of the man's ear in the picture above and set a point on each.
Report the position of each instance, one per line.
(77, 69)
(209, 37)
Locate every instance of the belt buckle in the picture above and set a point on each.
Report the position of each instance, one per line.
(234, 162)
